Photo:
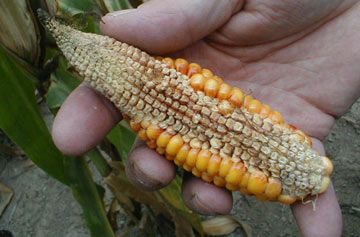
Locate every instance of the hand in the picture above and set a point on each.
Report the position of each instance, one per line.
(301, 57)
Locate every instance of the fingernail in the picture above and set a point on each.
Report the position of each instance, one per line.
(118, 13)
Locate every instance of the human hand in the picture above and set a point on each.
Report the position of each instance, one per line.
(299, 57)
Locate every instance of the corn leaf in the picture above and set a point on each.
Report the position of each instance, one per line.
(21, 120)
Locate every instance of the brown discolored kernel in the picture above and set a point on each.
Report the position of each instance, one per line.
(135, 126)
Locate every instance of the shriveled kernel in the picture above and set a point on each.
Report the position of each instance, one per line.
(273, 188)
(206, 73)
(174, 145)
(203, 160)
(257, 182)
(197, 82)
(169, 62)
(193, 69)
(191, 157)
(163, 139)
(181, 65)
(211, 87)
(224, 91)
(214, 165)
(182, 154)
(225, 166)
(286, 199)
(254, 106)
(236, 97)
(153, 132)
(276, 117)
(265, 111)
(236, 173)
(219, 181)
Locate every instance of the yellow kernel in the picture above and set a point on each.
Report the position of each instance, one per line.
(245, 180)
(187, 168)
(145, 123)
(151, 144)
(265, 111)
(203, 160)
(214, 165)
(257, 182)
(135, 126)
(169, 62)
(206, 177)
(211, 87)
(196, 172)
(174, 145)
(197, 82)
(159, 58)
(225, 166)
(142, 135)
(153, 132)
(254, 106)
(247, 100)
(219, 181)
(169, 157)
(191, 157)
(273, 188)
(325, 184)
(224, 91)
(236, 97)
(206, 73)
(160, 150)
(286, 199)
(231, 187)
(182, 154)
(261, 197)
(181, 65)
(193, 69)
(218, 79)
(276, 117)
(163, 139)
(329, 167)
(236, 173)
(243, 190)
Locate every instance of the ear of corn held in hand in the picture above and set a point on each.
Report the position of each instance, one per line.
(196, 120)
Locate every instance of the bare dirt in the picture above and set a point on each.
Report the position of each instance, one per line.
(42, 206)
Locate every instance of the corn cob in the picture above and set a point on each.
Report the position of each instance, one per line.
(198, 121)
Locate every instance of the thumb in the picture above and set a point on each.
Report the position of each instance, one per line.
(164, 26)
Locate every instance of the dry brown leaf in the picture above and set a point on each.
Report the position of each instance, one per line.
(223, 225)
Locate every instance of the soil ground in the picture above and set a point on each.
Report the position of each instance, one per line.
(42, 206)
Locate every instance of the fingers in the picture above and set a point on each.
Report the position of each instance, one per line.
(206, 198)
(83, 121)
(150, 171)
(325, 220)
(166, 26)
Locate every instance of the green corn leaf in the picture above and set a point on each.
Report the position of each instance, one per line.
(21, 120)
